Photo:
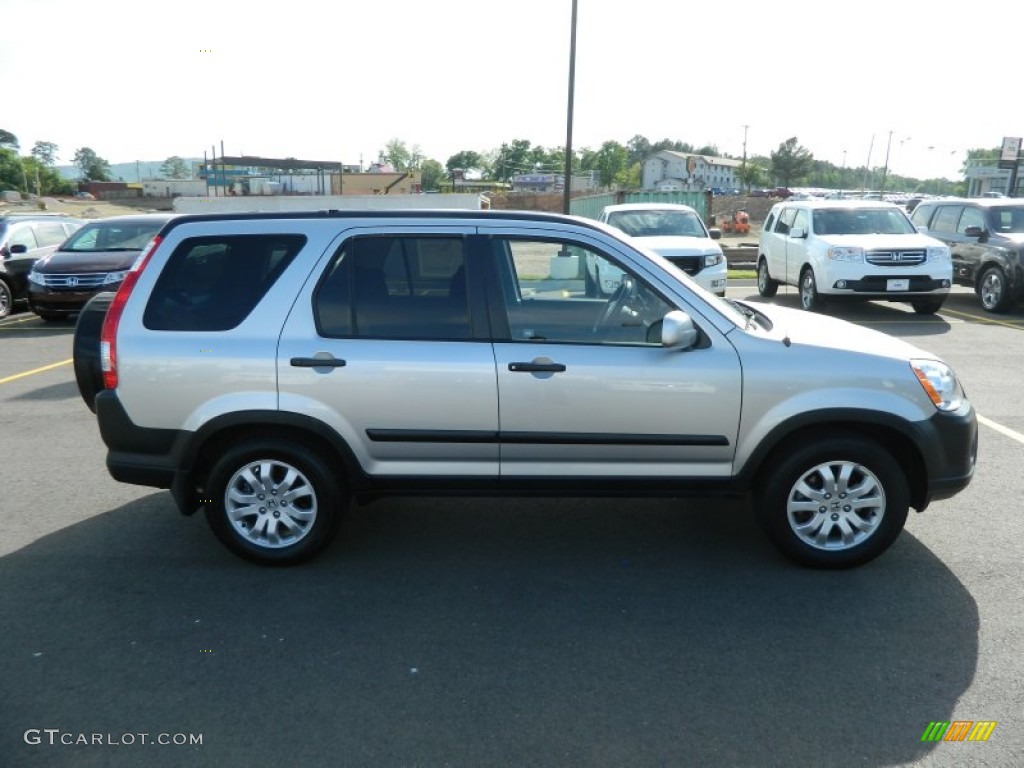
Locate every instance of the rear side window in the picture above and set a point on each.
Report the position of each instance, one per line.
(213, 283)
(395, 287)
(50, 233)
(946, 218)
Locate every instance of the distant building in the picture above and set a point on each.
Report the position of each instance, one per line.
(548, 183)
(982, 179)
(680, 171)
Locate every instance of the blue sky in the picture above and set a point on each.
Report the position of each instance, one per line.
(141, 80)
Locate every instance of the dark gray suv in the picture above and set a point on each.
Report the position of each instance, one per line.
(268, 367)
(986, 238)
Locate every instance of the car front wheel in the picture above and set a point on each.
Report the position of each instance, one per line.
(927, 306)
(273, 502)
(810, 299)
(992, 290)
(6, 299)
(837, 503)
(765, 285)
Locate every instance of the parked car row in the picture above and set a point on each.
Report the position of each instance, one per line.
(57, 263)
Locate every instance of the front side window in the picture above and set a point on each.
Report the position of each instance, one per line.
(212, 283)
(408, 287)
(971, 217)
(785, 221)
(546, 296)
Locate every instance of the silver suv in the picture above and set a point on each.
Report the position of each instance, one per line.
(268, 367)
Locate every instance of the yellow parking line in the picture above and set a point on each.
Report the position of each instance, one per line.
(23, 374)
(981, 319)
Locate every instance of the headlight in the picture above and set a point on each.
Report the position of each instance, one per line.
(937, 253)
(36, 277)
(845, 253)
(115, 277)
(939, 383)
(712, 259)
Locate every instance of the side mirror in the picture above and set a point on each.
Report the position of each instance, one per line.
(716, 234)
(19, 248)
(678, 330)
(798, 233)
(974, 231)
(922, 229)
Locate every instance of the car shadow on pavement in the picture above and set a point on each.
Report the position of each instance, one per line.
(440, 631)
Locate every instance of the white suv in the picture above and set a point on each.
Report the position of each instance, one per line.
(673, 231)
(853, 249)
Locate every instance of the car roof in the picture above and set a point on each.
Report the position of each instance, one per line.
(132, 218)
(984, 202)
(838, 204)
(648, 207)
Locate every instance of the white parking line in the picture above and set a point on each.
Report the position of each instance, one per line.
(1012, 434)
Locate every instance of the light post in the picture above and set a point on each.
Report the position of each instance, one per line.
(567, 191)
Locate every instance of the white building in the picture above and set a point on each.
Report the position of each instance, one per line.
(679, 171)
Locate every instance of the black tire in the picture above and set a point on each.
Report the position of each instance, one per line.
(307, 511)
(791, 518)
(810, 299)
(993, 291)
(6, 299)
(766, 286)
(927, 306)
(86, 347)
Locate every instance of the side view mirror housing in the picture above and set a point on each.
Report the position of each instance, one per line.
(678, 330)
(975, 231)
(798, 233)
(18, 248)
(715, 232)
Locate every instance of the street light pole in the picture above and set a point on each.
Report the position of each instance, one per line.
(566, 192)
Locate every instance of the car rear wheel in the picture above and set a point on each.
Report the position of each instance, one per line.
(927, 306)
(86, 347)
(837, 503)
(810, 299)
(6, 299)
(765, 285)
(273, 501)
(992, 290)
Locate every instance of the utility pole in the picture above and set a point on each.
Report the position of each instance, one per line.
(743, 168)
(885, 168)
(867, 167)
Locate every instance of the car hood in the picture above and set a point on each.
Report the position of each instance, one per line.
(816, 330)
(878, 242)
(87, 261)
(678, 245)
(1017, 238)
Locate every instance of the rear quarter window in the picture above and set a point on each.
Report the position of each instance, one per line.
(213, 283)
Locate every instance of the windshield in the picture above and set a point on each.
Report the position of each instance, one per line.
(862, 221)
(658, 223)
(107, 236)
(1008, 219)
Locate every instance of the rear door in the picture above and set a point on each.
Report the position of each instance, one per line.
(388, 343)
(586, 389)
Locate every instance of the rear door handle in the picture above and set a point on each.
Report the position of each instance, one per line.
(536, 367)
(317, 362)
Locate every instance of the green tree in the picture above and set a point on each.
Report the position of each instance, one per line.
(398, 154)
(175, 168)
(980, 157)
(750, 175)
(638, 149)
(467, 159)
(608, 161)
(45, 152)
(92, 166)
(8, 140)
(45, 180)
(791, 162)
(12, 173)
(431, 175)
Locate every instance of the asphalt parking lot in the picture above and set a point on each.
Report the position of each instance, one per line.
(468, 632)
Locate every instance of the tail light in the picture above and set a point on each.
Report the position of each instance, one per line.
(108, 335)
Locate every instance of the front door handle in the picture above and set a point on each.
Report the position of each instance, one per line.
(317, 362)
(536, 367)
